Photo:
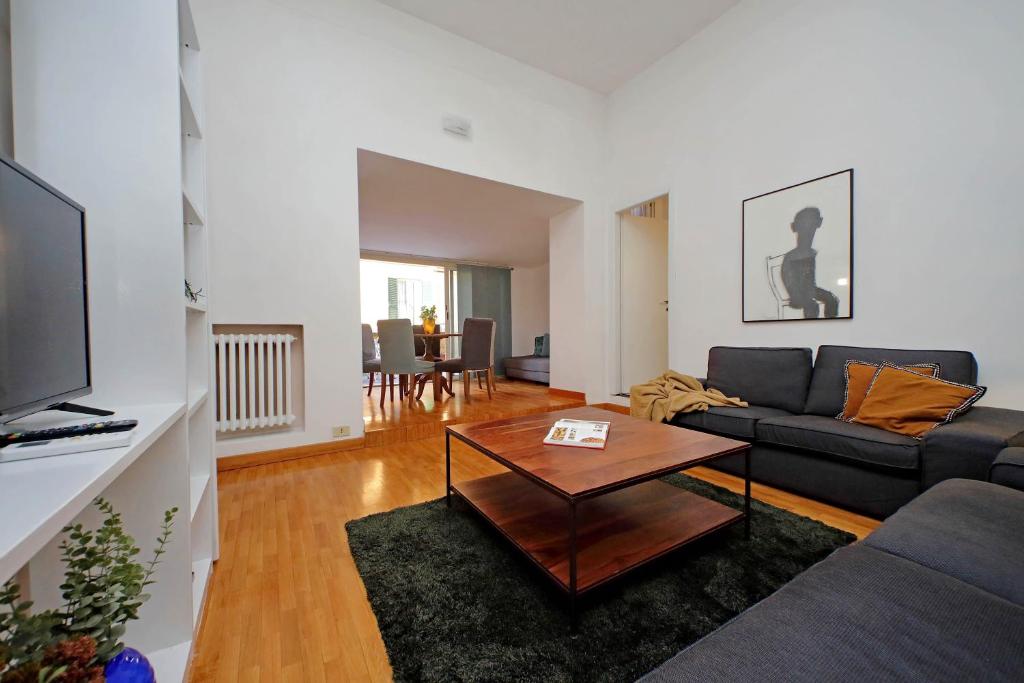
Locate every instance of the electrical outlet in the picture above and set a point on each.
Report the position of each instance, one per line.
(341, 432)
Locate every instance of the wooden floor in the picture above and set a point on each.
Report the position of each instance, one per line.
(286, 602)
(398, 422)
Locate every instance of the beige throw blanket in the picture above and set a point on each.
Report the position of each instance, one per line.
(664, 397)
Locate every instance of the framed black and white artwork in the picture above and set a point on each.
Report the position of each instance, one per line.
(798, 251)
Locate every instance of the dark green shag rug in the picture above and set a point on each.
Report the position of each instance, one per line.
(455, 601)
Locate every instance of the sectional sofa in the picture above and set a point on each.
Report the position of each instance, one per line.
(934, 594)
(799, 445)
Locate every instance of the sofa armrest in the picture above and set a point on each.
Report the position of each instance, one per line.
(1008, 468)
(967, 446)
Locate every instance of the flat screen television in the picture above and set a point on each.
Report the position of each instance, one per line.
(44, 319)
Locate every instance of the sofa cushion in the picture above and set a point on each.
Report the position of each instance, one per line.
(529, 363)
(828, 383)
(861, 615)
(738, 423)
(966, 447)
(1008, 468)
(770, 377)
(967, 529)
(841, 439)
(858, 377)
(906, 402)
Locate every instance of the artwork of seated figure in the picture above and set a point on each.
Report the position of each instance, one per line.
(799, 266)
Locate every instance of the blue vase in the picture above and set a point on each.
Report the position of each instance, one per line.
(130, 666)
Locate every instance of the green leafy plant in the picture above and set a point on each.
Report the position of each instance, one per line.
(25, 636)
(103, 589)
(428, 313)
(192, 294)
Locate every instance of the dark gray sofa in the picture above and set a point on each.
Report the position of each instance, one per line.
(935, 594)
(799, 445)
(533, 368)
(1008, 468)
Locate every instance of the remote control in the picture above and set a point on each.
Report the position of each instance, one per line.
(74, 444)
(65, 432)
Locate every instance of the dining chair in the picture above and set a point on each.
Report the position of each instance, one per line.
(398, 357)
(371, 364)
(490, 374)
(421, 343)
(477, 340)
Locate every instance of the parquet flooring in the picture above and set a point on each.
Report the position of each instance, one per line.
(286, 602)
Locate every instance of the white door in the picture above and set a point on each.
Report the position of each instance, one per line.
(643, 316)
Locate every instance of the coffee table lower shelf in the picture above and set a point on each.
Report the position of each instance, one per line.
(616, 532)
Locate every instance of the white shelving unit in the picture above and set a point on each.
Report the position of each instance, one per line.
(44, 494)
(198, 341)
(86, 74)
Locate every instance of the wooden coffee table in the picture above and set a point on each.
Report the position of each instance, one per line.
(587, 516)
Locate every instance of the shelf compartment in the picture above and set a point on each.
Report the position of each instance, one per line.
(201, 571)
(44, 494)
(190, 126)
(171, 663)
(198, 486)
(193, 214)
(187, 27)
(196, 398)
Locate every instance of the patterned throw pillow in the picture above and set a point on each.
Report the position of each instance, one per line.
(538, 345)
(542, 345)
(858, 378)
(908, 403)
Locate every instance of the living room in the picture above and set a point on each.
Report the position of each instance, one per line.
(840, 178)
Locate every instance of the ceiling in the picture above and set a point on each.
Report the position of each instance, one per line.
(411, 208)
(599, 44)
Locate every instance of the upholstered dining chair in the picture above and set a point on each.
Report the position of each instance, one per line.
(421, 343)
(371, 364)
(490, 374)
(398, 357)
(477, 341)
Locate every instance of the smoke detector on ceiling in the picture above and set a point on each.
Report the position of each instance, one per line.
(457, 125)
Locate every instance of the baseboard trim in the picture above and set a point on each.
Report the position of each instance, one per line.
(566, 393)
(237, 462)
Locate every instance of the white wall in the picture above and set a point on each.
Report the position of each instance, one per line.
(570, 346)
(530, 306)
(292, 88)
(105, 130)
(6, 126)
(923, 98)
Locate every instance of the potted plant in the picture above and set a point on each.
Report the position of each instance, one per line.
(428, 314)
(80, 642)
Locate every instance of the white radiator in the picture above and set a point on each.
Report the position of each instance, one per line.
(254, 381)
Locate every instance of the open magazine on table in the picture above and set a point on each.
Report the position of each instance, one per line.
(578, 433)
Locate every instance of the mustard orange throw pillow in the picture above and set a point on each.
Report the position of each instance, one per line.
(858, 378)
(906, 402)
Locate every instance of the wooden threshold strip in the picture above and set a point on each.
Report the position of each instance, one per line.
(567, 393)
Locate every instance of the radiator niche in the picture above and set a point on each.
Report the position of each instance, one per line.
(258, 372)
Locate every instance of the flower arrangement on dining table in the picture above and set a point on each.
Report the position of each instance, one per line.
(428, 314)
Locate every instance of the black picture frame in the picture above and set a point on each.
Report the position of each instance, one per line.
(764, 276)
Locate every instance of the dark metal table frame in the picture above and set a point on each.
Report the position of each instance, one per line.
(573, 500)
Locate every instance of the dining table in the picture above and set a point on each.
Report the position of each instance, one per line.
(439, 381)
